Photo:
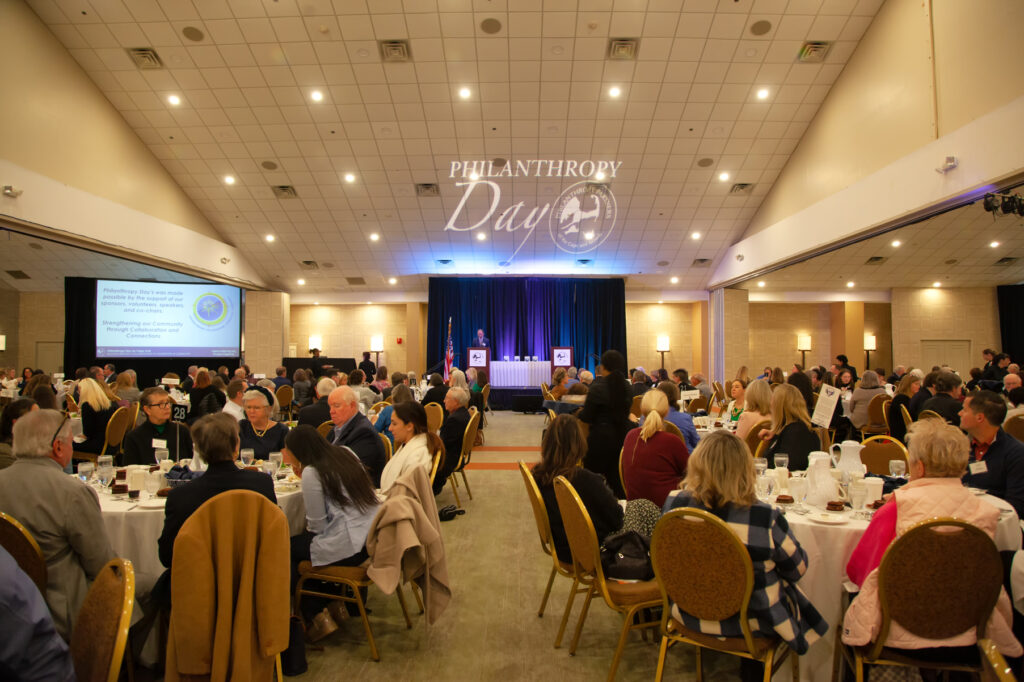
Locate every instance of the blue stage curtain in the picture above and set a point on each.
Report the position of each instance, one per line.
(526, 316)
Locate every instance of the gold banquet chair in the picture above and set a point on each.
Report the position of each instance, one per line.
(468, 438)
(879, 451)
(101, 628)
(752, 440)
(674, 430)
(325, 429)
(1015, 427)
(388, 447)
(435, 416)
(20, 544)
(685, 545)
(876, 417)
(285, 397)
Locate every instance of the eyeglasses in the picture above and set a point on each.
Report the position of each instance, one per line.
(166, 403)
(57, 432)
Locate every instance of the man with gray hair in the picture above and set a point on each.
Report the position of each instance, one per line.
(355, 432)
(586, 377)
(319, 412)
(61, 513)
(452, 431)
(700, 382)
(190, 381)
(572, 376)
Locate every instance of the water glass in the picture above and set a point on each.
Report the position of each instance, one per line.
(760, 465)
(247, 455)
(278, 459)
(104, 461)
(858, 494)
(781, 461)
(85, 471)
(765, 486)
(160, 454)
(154, 479)
(798, 488)
(105, 475)
(897, 467)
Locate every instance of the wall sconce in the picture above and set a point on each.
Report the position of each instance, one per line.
(870, 344)
(803, 344)
(3, 341)
(662, 347)
(377, 347)
(316, 341)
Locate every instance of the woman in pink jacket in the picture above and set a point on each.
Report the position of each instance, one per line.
(937, 458)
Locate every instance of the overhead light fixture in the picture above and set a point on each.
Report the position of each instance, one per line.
(302, 282)
(464, 93)
(896, 243)
(173, 100)
(660, 302)
(614, 91)
(392, 280)
(474, 176)
(936, 284)
(481, 236)
(695, 235)
(762, 93)
(723, 176)
(674, 280)
(993, 244)
(589, 236)
(349, 177)
(761, 284)
(229, 179)
(990, 203)
(599, 176)
(374, 236)
(849, 285)
(316, 302)
(369, 303)
(270, 237)
(316, 96)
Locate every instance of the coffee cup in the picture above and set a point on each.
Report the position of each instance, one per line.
(874, 487)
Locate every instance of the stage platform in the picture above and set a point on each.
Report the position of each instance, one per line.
(517, 398)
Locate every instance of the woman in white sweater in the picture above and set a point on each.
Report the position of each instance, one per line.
(416, 445)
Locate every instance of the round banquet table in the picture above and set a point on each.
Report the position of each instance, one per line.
(828, 550)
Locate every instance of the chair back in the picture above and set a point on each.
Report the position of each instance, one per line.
(377, 407)
(876, 410)
(20, 544)
(752, 439)
(101, 628)
(436, 458)
(674, 430)
(993, 665)
(486, 391)
(325, 429)
(544, 388)
(468, 439)
(135, 408)
(551, 415)
(118, 426)
(929, 414)
(686, 544)
(823, 437)
(540, 512)
(285, 395)
(546, 395)
(885, 413)
(388, 448)
(719, 394)
(634, 408)
(70, 403)
(907, 421)
(697, 404)
(579, 530)
(435, 416)
(879, 451)
(921, 586)
(1015, 427)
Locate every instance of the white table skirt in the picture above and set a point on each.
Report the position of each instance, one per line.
(520, 373)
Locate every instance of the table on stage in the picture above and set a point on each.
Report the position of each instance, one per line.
(523, 373)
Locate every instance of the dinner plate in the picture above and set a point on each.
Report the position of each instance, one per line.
(153, 503)
(978, 491)
(830, 518)
(286, 487)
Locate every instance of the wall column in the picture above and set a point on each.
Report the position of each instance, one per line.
(267, 321)
(847, 323)
(730, 332)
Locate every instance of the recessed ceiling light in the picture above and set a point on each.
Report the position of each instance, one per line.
(316, 302)
(229, 179)
(369, 303)
(302, 282)
(464, 93)
(762, 93)
(723, 176)
(936, 284)
(349, 177)
(481, 236)
(695, 235)
(660, 302)
(392, 280)
(374, 236)
(599, 175)
(316, 96)
(173, 100)
(760, 284)
(614, 91)
(674, 280)
(993, 244)
(849, 285)
(270, 237)
(896, 243)
(589, 236)
(474, 176)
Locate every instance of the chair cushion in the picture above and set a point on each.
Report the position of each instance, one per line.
(346, 573)
(761, 644)
(627, 594)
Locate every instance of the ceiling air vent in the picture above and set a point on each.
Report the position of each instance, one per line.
(309, 265)
(284, 191)
(743, 188)
(814, 51)
(17, 274)
(623, 49)
(428, 189)
(444, 262)
(701, 262)
(875, 260)
(355, 281)
(1001, 261)
(145, 57)
(395, 51)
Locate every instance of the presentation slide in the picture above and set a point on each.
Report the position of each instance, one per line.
(165, 320)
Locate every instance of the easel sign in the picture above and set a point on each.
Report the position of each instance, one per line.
(561, 356)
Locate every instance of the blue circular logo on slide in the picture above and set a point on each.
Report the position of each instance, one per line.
(210, 310)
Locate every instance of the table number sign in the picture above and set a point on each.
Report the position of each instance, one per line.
(827, 401)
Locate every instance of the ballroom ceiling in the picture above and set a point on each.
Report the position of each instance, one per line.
(297, 93)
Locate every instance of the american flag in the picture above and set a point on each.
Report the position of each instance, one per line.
(449, 354)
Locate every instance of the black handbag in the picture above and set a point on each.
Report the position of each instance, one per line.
(626, 555)
(293, 659)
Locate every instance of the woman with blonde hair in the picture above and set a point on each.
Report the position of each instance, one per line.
(743, 374)
(125, 388)
(96, 408)
(909, 385)
(757, 406)
(720, 480)
(653, 460)
(559, 383)
(791, 433)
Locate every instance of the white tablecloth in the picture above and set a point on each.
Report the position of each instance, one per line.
(828, 550)
(520, 373)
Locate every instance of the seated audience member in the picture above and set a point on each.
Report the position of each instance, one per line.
(45, 397)
(639, 384)
(757, 401)
(1016, 400)
(682, 420)
(946, 401)
(319, 412)
(364, 394)
(367, 367)
(996, 463)
(399, 394)
(700, 383)
(202, 388)
(845, 380)
(275, 406)
(233, 405)
(96, 409)
(340, 507)
(156, 431)
(737, 389)
(803, 384)
(300, 387)
(282, 378)
(766, 374)
(189, 382)
(397, 379)
(456, 403)
(355, 432)
(436, 392)
(908, 386)
(11, 414)
(457, 378)
(26, 375)
(936, 459)
(572, 378)
(653, 460)
(559, 383)
(258, 431)
(416, 445)
(998, 369)
(1010, 382)
(481, 380)
(577, 394)
(586, 377)
(1013, 368)
(217, 440)
(660, 375)
(720, 480)
(975, 373)
(337, 376)
(682, 378)
(791, 431)
(778, 376)
(125, 388)
(924, 394)
(61, 513)
(381, 383)
(561, 452)
(31, 649)
(896, 375)
(862, 397)
(39, 380)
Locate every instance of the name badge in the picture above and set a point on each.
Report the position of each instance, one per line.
(159, 444)
(978, 468)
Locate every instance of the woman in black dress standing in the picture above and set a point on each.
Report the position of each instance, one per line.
(606, 410)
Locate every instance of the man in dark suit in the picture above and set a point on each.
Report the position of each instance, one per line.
(436, 392)
(946, 401)
(452, 431)
(482, 341)
(319, 412)
(396, 379)
(996, 463)
(355, 432)
(923, 395)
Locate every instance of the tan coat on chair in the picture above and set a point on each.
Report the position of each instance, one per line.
(229, 579)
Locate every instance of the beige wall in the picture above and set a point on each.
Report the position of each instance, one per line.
(9, 328)
(773, 331)
(346, 331)
(737, 331)
(878, 321)
(944, 314)
(267, 320)
(645, 321)
(40, 318)
(56, 122)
